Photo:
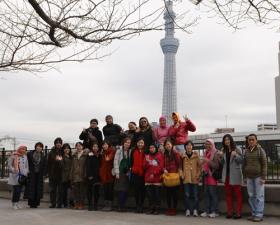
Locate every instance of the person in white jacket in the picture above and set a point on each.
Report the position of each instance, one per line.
(18, 166)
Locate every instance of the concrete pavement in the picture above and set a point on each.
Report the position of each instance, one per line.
(46, 216)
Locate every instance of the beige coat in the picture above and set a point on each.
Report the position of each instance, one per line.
(191, 168)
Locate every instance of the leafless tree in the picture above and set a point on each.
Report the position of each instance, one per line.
(35, 35)
(238, 13)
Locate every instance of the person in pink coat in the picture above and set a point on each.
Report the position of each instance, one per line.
(160, 133)
(153, 167)
(179, 131)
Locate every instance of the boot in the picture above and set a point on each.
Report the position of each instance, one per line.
(105, 208)
(151, 210)
(77, 205)
(108, 207)
(82, 206)
(156, 210)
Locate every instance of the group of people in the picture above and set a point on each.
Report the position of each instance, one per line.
(146, 160)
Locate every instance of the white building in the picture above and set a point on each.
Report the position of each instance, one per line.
(277, 92)
(267, 126)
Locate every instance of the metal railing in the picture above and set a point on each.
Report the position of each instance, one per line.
(273, 161)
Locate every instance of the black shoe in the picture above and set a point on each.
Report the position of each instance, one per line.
(52, 206)
(156, 211)
(236, 217)
(90, 208)
(150, 211)
(229, 216)
(58, 206)
(33, 206)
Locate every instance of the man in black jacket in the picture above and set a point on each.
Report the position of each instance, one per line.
(112, 132)
(92, 134)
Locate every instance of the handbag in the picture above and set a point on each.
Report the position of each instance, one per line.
(171, 179)
(22, 179)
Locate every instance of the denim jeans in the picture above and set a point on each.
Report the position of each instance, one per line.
(256, 196)
(211, 199)
(191, 192)
(16, 193)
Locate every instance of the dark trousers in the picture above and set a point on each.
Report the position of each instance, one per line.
(191, 192)
(65, 190)
(79, 192)
(93, 193)
(55, 193)
(16, 193)
(108, 191)
(122, 198)
(211, 198)
(172, 196)
(139, 190)
(34, 198)
(153, 192)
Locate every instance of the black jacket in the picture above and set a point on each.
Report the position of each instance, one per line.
(92, 168)
(148, 137)
(112, 133)
(91, 135)
(55, 167)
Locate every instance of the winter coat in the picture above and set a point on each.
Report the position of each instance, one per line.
(160, 134)
(255, 163)
(213, 163)
(55, 167)
(137, 162)
(180, 134)
(66, 171)
(117, 160)
(112, 133)
(32, 186)
(172, 161)
(23, 167)
(153, 167)
(235, 171)
(147, 135)
(93, 167)
(132, 135)
(191, 168)
(106, 166)
(78, 168)
(91, 135)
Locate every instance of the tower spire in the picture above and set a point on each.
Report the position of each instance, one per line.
(169, 45)
(277, 91)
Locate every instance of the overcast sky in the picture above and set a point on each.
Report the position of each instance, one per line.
(219, 72)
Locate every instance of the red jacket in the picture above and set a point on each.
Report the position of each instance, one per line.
(172, 163)
(106, 166)
(138, 162)
(180, 134)
(153, 166)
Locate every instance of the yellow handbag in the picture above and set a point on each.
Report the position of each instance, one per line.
(171, 179)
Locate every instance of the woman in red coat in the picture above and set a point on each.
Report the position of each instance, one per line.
(179, 131)
(153, 167)
(107, 179)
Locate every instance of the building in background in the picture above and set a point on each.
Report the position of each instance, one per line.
(267, 126)
(224, 130)
(169, 45)
(277, 91)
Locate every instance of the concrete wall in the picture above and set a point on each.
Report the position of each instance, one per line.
(272, 197)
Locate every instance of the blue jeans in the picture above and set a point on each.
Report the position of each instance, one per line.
(191, 191)
(16, 193)
(256, 196)
(210, 199)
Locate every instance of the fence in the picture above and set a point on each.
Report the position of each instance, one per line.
(273, 161)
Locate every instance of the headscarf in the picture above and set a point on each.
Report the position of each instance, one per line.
(17, 155)
(212, 151)
(177, 115)
(163, 118)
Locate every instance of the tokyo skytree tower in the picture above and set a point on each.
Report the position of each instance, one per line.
(169, 45)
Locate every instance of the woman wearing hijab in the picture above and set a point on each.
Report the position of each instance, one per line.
(179, 131)
(210, 162)
(160, 133)
(18, 166)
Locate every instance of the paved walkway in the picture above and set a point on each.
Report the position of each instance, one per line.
(45, 216)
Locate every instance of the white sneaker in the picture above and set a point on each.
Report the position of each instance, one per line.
(212, 215)
(204, 214)
(188, 213)
(195, 213)
(18, 205)
(15, 206)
